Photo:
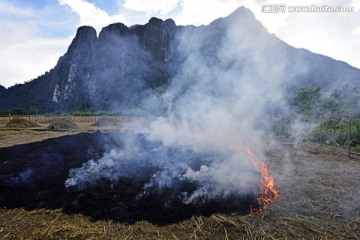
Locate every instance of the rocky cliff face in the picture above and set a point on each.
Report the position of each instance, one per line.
(122, 66)
(2, 92)
(115, 69)
(2, 89)
(72, 69)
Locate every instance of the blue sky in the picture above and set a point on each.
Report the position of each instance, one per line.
(35, 33)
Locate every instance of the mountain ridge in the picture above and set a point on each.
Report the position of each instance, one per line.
(122, 66)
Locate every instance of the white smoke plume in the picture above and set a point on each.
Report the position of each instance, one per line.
(221, 99)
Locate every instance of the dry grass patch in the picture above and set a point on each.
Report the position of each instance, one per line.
(53, 224)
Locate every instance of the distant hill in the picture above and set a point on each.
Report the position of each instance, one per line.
(122, 66)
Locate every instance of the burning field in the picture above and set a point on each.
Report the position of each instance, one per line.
(176, 182)
(52, 191)
(204, 162)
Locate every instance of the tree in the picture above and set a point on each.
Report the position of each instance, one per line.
(332, 109)
(33, 110)
(308, 102)
(18, 111)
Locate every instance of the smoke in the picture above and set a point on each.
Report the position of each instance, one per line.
(194, 172)
(22, 177)
(301, 131)
(226, 88)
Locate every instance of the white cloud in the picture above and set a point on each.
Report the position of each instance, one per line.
(356, 4)
(24, 55)
(151, 6)
(9, 9)
(26, 52)
(204, 11)
(30, 59)
(356, 31)
(91, 15)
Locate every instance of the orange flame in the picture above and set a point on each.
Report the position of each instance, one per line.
(267, 192)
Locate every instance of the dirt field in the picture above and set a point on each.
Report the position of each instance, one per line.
(15, 136)
(319, 199)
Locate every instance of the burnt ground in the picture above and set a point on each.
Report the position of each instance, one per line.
(319, 199)
(32, 176)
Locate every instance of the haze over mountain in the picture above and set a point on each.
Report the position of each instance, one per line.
(131, 69)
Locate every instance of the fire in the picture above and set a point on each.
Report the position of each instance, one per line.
(267, 192)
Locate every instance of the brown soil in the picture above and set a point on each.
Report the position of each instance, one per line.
(16, 136)
(319, 199)
(17, 122)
